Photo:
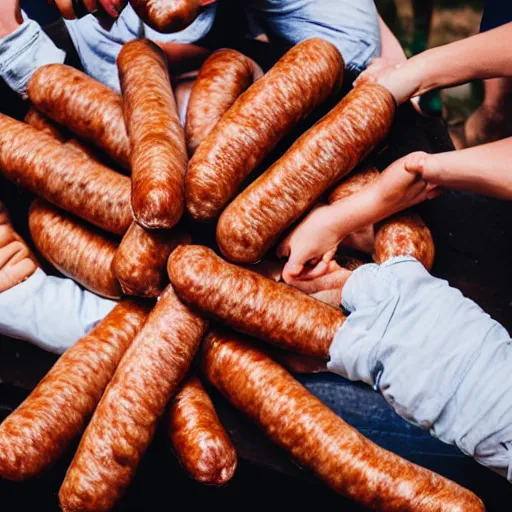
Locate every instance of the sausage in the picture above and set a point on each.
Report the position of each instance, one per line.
(36, 434)
(321, 441)
(79, 185)
(322, 156)
(251, 303)
(355, 182)
(88, 108)
(42, 123)
(222, 78)
(125, 420)
(159, 155)
(198, 437)
(167, 15)
(140, 262)
(74, 249)
(302, 79)
(404, 234)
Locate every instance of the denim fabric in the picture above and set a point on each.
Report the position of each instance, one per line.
(351, 26)
(438, 359)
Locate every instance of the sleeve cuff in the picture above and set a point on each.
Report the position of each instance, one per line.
(23, 51)
(50, 312)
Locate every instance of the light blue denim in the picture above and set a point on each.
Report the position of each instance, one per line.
(350, 25)
(438, 359)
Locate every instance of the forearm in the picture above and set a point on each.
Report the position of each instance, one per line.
(50, 312)
(364, 208)
(24, 48)
(485, 169)
(438, 359)
(478, 57)
(390, 46)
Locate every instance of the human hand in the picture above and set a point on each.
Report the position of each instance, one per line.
(393, 75)
(313, 242)
(328, 287)
(16, 261)
(10, 17)
(71, 9)
(406, 183)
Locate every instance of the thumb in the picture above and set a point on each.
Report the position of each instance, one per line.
(292, 269)
(427, 166)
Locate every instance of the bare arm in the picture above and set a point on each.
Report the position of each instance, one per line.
(481, 56)
(485, 170)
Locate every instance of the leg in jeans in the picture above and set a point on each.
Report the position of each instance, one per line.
(353, 27)
(367, 411)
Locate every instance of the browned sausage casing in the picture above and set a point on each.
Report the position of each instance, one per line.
(159, 155)
(302, 79)
(42, 123)
(140, 263)
(59, 174)
(222, 78)
(353, 183)
(74, 249)
(36, 434)
(404, 234)
(251, 303)
(125, 420)
(167, 15)
(88, 108)
(199, 439)
(321, 441)
(323, 155)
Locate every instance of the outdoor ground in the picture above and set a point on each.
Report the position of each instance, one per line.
(452, 20)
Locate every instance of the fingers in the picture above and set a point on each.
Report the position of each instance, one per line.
(113, 7)
(427, 166)
(15, 265)
(292, 269)
(415, 163)
(331, 297)
(330, 281)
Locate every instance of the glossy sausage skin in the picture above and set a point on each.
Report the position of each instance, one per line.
(36, 434)
(125, 420)
(251, 303)
(317, 160)
(140, 263)
(302, 79)
(40, 163)
(321, 441)
(404, 234)
(74, 249)
(159, 156)
(356, 181)
(88, 108)
(222, 78)
(42, 123)
(198, 437)
(167, 15)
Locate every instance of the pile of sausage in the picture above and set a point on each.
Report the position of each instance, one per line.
(121, 235)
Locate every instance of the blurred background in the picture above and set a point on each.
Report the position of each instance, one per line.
(422, 24)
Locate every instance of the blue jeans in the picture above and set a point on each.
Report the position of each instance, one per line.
(352, 26)
(370, 414)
